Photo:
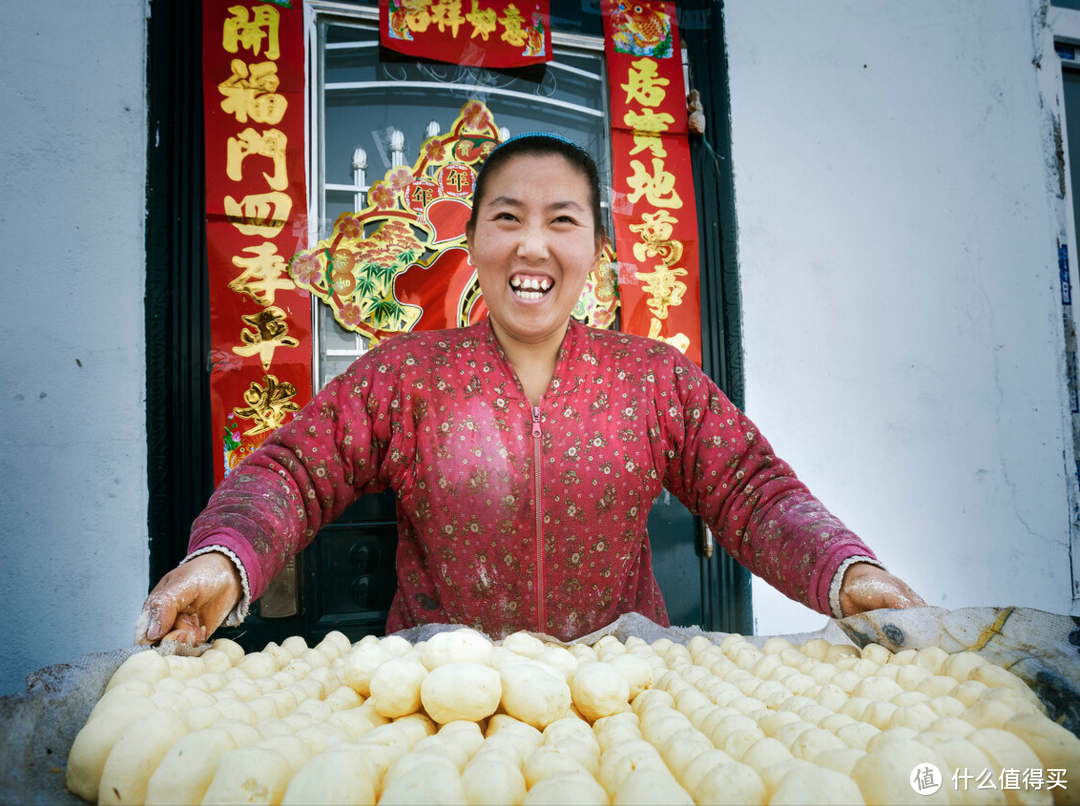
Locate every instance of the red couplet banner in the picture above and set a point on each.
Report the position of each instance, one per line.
(490, 33)
(654, 210)
(256, 211)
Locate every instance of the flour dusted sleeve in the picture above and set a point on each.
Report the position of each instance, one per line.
(305, 474)
(723, 469)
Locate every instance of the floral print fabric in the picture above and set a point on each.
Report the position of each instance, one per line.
(512, 518)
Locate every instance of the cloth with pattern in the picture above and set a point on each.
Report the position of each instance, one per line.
(441, 419)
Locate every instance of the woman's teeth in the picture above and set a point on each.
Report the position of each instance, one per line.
(530, 287)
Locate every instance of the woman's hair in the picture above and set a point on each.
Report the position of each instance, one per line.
(541, 144)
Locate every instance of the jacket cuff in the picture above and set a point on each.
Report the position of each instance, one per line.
(827, 568)
(838, 580)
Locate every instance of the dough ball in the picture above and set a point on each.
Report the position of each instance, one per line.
(216, 661)
(732, 783)
(764, 753)
(1056, 747)
(816, 648)
(457, 646)
(360, 664)
(857, 735)
(816, 786)
(466, 735)
(395, 687)
(876, 653)
(682, 748)
(811, 743)
(548, 760)
(834, 722)
(649, 785)
(878, 714)
(1005, 749)
(342, 698)
(842, 760)
(437, 745)
(693, 772)
(558, 658)
(960, 665)
(637, 671)
(884, 774)
(855, 707)
(147, 666)
(294, 645)
(774, 720)
(533, 693)
(357, 721)
(319, 736)
(249, 775)
(95, 741)
(568, 789)
(969, 692)
(622, 759)
(337, 776)
(996, 677)
(493, 780)
(395, 646)
(599, 690)
(932, 659)
(524, 644)
(570, 728)
(776, 645)
(917, 717)
(839, 651)
(184, 774)
(958, 754)
(259, 664)
(909, 677)
(897, 734)
(437, 786)
(952, 726)
(845, 681)
(651, 698)
(230, 648)
(455, 690)
(616, 734)
(787, 734)
(136, 754)
(315, 708)
(877, 688)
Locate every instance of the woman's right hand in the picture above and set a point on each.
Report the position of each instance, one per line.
(191, 601)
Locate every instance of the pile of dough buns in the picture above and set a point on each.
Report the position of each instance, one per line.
(457, 719)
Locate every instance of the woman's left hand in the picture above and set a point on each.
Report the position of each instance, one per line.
(867, 587)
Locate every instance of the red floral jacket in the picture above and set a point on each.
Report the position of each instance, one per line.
(512, 517)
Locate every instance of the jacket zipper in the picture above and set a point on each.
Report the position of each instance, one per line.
(541, 615)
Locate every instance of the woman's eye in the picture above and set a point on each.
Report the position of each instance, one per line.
(564, 219)
(505, 217)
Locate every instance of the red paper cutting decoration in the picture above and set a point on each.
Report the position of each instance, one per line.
(412, 272)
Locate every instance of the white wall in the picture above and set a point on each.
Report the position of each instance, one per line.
(901, 305)
(74, 566)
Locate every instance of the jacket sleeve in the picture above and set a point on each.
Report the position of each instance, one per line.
(303, 476)
(723, 469)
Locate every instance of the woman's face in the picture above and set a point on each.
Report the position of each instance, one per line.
(533, 245)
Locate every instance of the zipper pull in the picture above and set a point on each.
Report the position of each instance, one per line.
(536, 421)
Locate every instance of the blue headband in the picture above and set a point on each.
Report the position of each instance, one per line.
(550, 135)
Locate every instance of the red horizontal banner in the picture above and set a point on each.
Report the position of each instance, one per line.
(487, 33)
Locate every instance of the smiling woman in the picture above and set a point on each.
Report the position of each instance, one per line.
(525, 452)
(534, 235)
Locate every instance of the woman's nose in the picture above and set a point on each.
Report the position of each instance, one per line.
(533, 244)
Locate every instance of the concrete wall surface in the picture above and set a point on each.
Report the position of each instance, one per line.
(895, 181)
(73, 498)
